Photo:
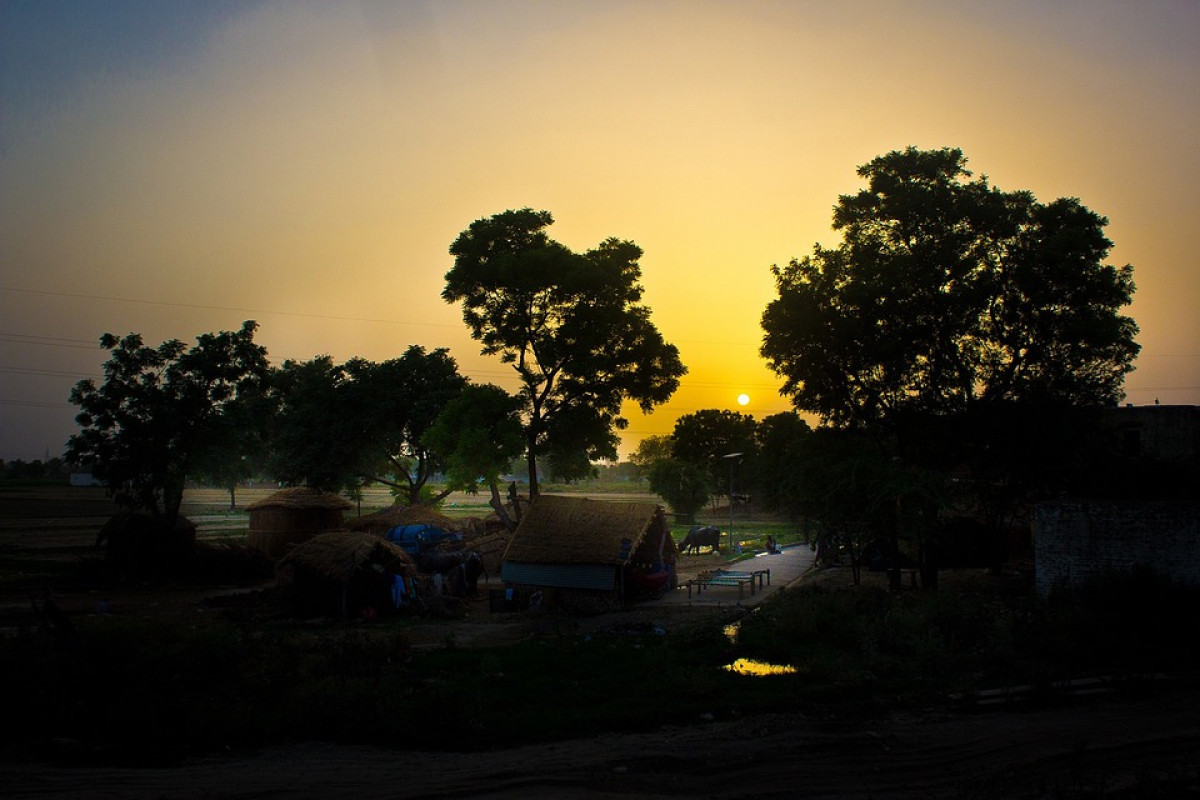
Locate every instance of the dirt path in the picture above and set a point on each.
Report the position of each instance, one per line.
(1109, 748)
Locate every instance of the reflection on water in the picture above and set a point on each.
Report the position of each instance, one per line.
(748, 666)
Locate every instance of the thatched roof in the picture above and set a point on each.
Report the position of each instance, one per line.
(336, 555)
(302, 497)
(575, 530)
(381, 522)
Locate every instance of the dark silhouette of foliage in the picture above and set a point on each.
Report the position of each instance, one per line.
(946, 293)
(339, 426)
(685, 485)
(163, 411)
(477, 435)
(572, 327)
(705, 437)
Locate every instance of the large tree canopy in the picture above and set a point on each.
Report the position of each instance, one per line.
(477, 435)
(571, 325)
(707, 437)
(342, 425)
(161, 411)
(945, 293)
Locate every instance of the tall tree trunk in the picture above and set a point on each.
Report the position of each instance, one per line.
(501, 512)
(533, 476)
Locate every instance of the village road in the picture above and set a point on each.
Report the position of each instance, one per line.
(786, 567)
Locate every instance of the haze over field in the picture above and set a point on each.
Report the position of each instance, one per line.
(176, 168)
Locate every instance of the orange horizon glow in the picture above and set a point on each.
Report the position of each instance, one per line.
(308, 164)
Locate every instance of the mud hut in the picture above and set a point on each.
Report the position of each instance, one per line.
(291, 516)
(347, 573)
(589, 554)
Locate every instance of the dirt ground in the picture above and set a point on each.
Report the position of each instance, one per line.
(1147, 749)
(1103, 747)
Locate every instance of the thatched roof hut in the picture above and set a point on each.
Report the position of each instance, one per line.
(383, 521)
(620, 550)
(291, 516)
(345, 570)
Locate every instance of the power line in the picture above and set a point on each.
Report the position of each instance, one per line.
(256, 312)
(49, 341)
(34, 404)
(202, 307)
(53, 373)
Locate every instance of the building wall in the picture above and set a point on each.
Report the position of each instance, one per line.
(1075, 541)
(1167, 433)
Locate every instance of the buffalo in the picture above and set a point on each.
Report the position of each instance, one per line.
(701, 536)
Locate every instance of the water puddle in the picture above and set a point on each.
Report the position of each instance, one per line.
(748, 666)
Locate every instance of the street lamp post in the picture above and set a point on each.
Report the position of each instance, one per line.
(733, 459)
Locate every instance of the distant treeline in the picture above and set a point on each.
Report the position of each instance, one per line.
(34, 470)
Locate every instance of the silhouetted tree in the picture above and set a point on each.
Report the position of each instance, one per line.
(340, 426)
(161, 411)
(780, 438)
(685, 485)
(477, 435)
(572, 327)
(705, 437)
(314, 433)
(950, 305)
(650, 450)
(947, 293)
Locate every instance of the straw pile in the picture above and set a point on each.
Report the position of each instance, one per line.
(291, 516)
(337, 555)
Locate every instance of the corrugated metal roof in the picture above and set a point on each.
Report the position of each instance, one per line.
(597, 577)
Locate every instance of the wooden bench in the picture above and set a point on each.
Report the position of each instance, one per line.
(722, 577)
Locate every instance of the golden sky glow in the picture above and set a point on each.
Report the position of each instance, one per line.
(307, 164)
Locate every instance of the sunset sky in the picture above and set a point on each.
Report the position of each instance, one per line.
(173, 168)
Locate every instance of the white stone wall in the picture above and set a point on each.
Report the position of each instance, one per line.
(1075, 541)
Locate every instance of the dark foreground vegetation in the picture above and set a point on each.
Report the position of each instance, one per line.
(144, 688)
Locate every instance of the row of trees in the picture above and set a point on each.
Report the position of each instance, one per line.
(957, 330)
(19, 469)
(571, 325)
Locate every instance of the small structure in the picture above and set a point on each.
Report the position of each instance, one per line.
(291, 516)
(382, 521)
(347, 573)
(590, 554)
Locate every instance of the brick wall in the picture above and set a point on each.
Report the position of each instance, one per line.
(1074, 541)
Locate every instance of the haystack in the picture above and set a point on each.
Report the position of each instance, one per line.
(338, 555)
(291, 516)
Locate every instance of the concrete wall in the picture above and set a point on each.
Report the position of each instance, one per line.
(1168, 433)
(1074, 541)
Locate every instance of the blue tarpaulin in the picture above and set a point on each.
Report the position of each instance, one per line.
(415, 539)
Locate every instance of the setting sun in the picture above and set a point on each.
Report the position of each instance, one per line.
(743, 399)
